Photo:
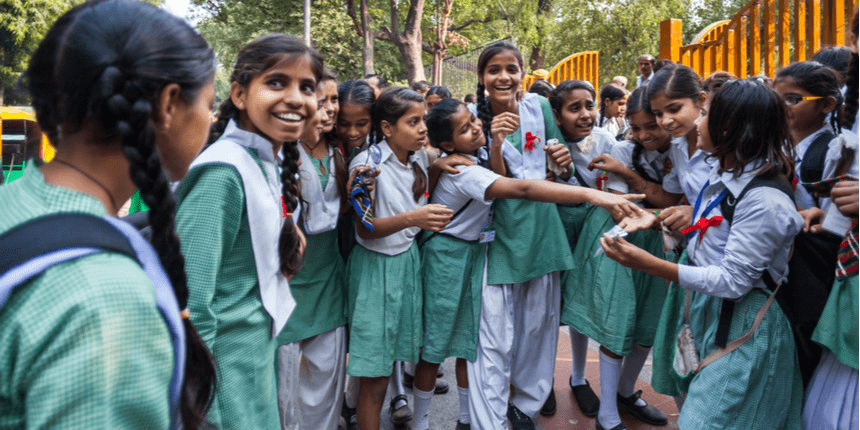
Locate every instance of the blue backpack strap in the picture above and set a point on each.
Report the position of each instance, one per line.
(65, 237)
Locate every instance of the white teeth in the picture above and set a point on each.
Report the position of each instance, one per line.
(289, 117)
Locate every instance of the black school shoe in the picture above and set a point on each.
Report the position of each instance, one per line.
(518, 419)
(549, 405)
(461, 426)
(587, 401)
(647, 414)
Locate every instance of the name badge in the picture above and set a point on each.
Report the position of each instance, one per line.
(487, 236)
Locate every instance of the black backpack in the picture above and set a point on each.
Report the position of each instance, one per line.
(802, 298)
(812, 166)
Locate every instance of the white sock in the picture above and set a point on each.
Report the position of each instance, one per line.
(464, 405)
(630, 371)
(610, 368)
(578, 349)
(351, 395)
(422, 409)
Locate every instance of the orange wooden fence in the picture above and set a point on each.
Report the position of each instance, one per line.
(764, 36)
(583, 66)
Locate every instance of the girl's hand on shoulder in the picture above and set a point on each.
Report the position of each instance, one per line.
(561, 156)
(624, 252)
(503, 125)
(812, 219)
(447, 163)
(676, 218)
(607, 163)
(845, 195)
(433, 217)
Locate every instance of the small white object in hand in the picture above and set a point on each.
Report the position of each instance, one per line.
(613, 232)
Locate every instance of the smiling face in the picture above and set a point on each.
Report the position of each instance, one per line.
(577, 115)
(646, 131)
(353, 124)
(278, 103)
(409, 133)
(330, 104)
(502, 77)
(314, 128)
(466, 133)
(677, 116)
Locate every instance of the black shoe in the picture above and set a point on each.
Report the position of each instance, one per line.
(401, 415)
(461, 426)
(348, 415)
(588, 402)
(548, 408)
(618, 427)
(519, 420)
(408, 380)
(647, 414)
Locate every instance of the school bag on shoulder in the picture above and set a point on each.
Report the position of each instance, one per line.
(803, 295)
(812, 166)
(64, 237)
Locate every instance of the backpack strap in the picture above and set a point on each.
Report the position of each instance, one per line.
(426, 237)
(65, 237)
(727, 208)
(812, 164)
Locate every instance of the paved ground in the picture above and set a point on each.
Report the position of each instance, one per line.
(444, 409)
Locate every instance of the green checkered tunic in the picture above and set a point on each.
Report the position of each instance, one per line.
(225, 303)
(83, 346)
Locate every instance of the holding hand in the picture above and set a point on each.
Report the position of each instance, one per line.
(618, 206)
(844, 196)
(503, 125)
(676, 218)
(607, 163)
(433, 217)
(559, 154)
(812, 219)
(370, 172)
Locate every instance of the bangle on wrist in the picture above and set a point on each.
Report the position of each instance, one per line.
(644, 185)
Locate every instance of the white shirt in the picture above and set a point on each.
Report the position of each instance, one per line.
(467, 187)
(584, 151)
(640, 82)
(729, 260)
(321, 206)
(650, 161)
(691, 173)
(834, 221)
(392, 195)
(801, 196)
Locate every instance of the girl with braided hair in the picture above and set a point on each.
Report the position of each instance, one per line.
(522, 299)
(236, 217)
(123, 90)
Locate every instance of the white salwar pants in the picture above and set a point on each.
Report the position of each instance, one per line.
(517, 343)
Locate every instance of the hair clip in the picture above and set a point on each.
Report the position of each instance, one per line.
(185, 314)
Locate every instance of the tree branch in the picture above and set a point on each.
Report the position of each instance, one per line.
(350, 10)
(468, 23)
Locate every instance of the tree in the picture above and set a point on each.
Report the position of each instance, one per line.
(23, 24)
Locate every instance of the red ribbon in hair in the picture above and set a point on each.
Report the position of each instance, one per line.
(531, 140)
(703, 224)
(283, 208)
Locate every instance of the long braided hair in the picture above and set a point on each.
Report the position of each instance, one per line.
(255, 58)
(612, 92)
(107, 61)
(483, 105)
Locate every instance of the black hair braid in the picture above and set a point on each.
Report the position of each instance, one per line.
(637, 166)
(226, 112)
(130, 114)
(484, 112)
(836, 116)
(419, 185)
(851, 95)
(288, 243)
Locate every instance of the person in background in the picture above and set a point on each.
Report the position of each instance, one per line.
(541, 87)
(421, 87)
(470, 99)
(621, 81)
(646, 69)
(378, 83)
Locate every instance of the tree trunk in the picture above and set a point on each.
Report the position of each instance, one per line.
(367, 35)
(409, 41)
(440, 48)
(538, 53)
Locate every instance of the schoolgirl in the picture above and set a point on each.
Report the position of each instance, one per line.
(453, 261)
(676, 96)
(383, 269)
(436, 94)
(616, 306)
(811, 93)
(519, 318)
(573, 105)
(237, 221)
(94, 342)
(613, 100)
(354, 120)
(317, 325)
(745, 130)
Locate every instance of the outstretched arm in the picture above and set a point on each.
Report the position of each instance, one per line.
(433, 217)
(655, 193)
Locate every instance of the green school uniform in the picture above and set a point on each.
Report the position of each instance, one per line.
(530, 239)
(385, 300)
(82, 346)
(837, 329)
(225, 303)
(318, 289)
(612, 304)
(452, 272)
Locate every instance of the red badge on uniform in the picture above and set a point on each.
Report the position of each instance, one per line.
(531, 141)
